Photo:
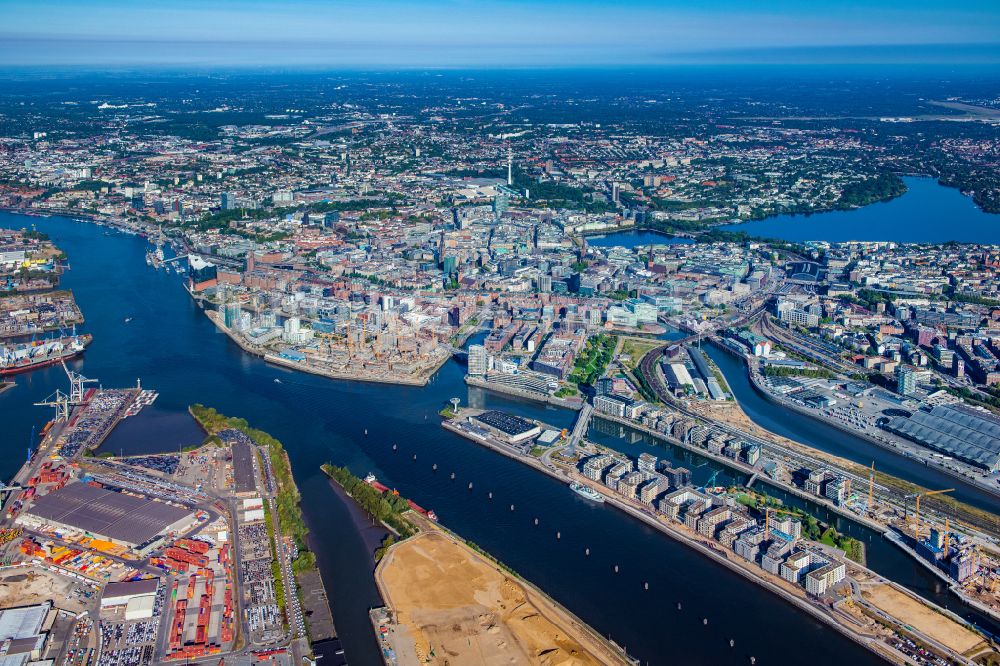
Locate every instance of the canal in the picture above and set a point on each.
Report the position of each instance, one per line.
(881, 555)
(174, 349)
(833, 440)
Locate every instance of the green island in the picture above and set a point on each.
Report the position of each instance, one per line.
(386, 507)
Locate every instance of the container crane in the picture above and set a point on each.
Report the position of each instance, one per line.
(916, 525)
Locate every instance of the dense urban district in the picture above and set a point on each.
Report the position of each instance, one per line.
(372, 229)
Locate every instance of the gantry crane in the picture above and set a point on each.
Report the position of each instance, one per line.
(916, 515)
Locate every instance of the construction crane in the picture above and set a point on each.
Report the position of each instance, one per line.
(916, 515)
(767, 517)
(711, 481)
(871, 489)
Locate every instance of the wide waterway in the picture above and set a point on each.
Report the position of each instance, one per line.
(175, 350)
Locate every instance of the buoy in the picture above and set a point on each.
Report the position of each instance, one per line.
(704, 620)
(586, 552)
(731, 642)
(678, 605)
(616, 568)
(414, 456)
(470, 485)
(434, 467)
(511, 507)
(394, 447)
(452, 476)
(491, 495)
(646, 585)
(558, 535)
(536, 521)
(366, 432)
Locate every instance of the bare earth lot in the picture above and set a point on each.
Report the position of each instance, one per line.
(937, 626)
(459, 608)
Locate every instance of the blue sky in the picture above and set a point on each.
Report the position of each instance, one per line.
(494, 33)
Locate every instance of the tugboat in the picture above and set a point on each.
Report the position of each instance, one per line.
(586, 492)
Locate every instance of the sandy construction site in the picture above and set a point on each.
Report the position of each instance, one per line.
(456, 607)
(939, 627)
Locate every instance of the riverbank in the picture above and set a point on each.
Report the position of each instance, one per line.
(565, 403)
(779, 587)
(975, 518)
(749, 471)
(287, 505)
(444, 596)
(275, 359)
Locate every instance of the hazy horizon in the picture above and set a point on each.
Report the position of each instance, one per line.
(456, 34)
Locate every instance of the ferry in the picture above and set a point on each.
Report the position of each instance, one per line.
(586, 492)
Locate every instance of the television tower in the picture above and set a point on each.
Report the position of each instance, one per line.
(510, 166)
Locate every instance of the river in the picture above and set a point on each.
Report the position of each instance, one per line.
(174, 349)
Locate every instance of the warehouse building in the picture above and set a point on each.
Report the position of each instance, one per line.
(23, 632)
(511, 429)
(966, 434)
(137, 596)
(107, 515)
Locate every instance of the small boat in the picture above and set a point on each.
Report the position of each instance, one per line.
(128, 319)
(277, 381)
(586, 492)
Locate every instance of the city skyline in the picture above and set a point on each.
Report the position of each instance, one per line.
(455, 34)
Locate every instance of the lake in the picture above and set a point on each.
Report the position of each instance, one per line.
(926, 213)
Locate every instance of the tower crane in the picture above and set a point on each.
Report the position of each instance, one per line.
(916, 525)
(767, 517)
(871, 489)
(711, 481)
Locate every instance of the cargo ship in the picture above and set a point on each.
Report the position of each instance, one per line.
(28, 356)
(374, 483)
(586, 492)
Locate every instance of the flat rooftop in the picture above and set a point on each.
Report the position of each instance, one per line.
(505, 423)
(117, 516)
(244, 478)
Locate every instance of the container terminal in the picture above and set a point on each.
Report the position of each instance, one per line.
(153, 559)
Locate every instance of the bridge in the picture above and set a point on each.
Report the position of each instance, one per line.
(580, 427)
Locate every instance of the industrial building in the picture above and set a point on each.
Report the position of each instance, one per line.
(512, 429)
(23, 632)
(104, 514)
(137, 596)
(966, 434)
(244, 463)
